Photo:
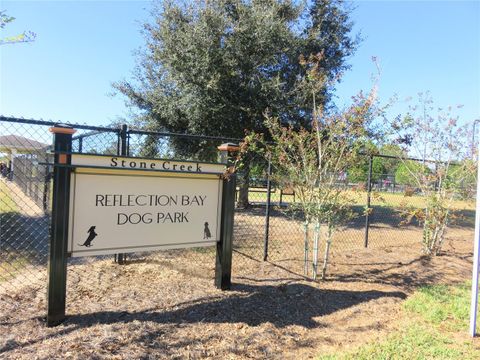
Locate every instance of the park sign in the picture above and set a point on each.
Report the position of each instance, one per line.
(125, 210)
(120, 204)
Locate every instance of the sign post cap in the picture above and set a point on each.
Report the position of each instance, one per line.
(231, 147)
(62, 129)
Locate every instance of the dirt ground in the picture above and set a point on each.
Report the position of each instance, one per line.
(165, 305)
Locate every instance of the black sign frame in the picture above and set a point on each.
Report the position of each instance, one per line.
(57, 269)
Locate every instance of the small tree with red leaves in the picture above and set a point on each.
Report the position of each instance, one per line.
(444, 171)
(312, 161)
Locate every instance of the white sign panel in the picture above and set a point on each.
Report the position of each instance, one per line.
(126, 163)
(128, 212)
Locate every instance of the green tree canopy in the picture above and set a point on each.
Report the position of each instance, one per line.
(407, 171)
(216, 67)
(462, 176)
(390, 165)
(359, 172)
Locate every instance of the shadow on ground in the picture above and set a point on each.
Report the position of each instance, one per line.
(283, 305)
(413, 273)
(380, 215)
(24, 240)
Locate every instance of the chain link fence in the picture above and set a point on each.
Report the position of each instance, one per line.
(25, 189)
(394, 194)
(25, 203)
(264, 228)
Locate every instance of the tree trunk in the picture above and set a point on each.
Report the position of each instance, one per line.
(242, 201)
(426, 236)
(315, 250)
(327, 252)
(305, 260)
(442, 234)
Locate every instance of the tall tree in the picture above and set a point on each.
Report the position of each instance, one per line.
(216, 67)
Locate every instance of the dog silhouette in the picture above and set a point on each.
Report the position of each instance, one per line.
(206, 232)
(91, 235)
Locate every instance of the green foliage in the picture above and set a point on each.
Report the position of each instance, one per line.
(216, 67)
(462, 177)
(311, 160)
(5, 19)
(390, 165)
(380, 166)
(413, 342)
(435, 140)
(408, 171)
(378, 169)
(258, 171)
(359, 171)
(149, 147)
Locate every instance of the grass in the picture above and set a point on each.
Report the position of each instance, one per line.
(398, 200)
(445, 306)
(414, 342)
(6, 202)
(434, 326)
(9, 265)
(387, 199)
(260, 195)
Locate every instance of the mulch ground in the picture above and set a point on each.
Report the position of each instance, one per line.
(165, 306)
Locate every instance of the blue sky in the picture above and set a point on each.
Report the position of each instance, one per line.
(83, 46)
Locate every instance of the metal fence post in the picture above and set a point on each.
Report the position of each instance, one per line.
(57, 271)
(123, 140)
(476, 258)
(46, 189)
(267, 211)
(223, 263)
(369, 192)
(121, 258)
(80, 144)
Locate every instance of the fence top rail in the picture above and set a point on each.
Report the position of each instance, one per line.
(54, 123)
(90, 133)
(408, 158)
(192, 136)
(99, 129)
(95, 130)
